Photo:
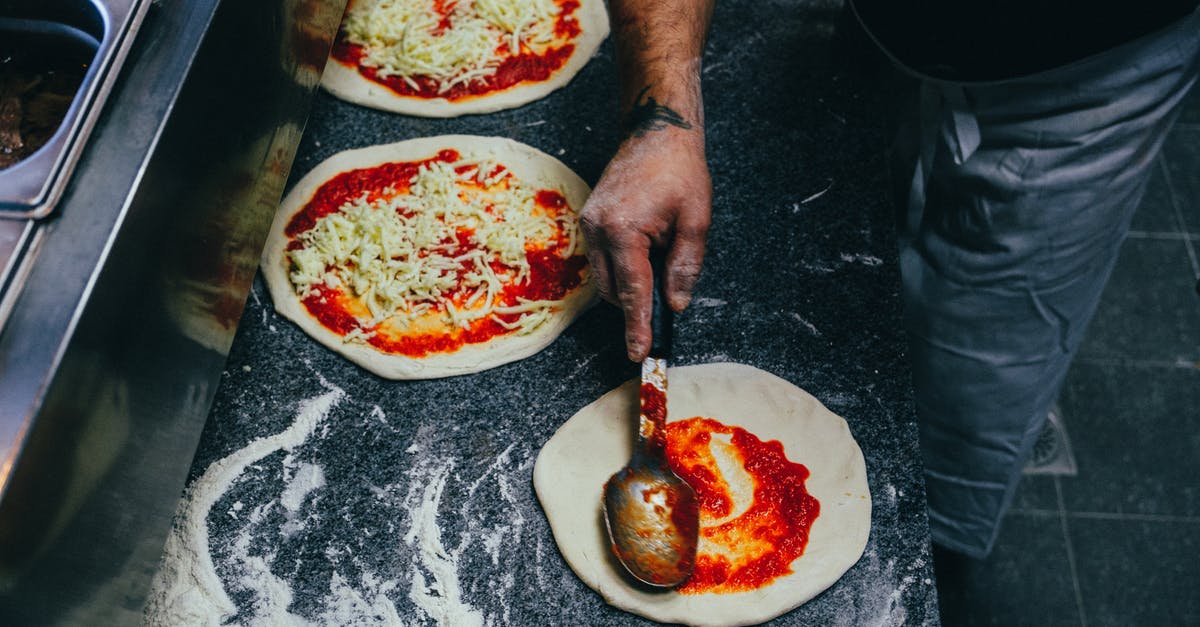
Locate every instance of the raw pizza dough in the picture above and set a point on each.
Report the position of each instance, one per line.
(596, 442)
(349, 85)
(528, 164)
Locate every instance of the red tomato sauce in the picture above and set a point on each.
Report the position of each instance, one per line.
(551, 276)
(764, 540)
(350, 185)
(654, 408)
(513, 70)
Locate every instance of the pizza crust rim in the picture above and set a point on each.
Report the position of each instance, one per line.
(738, 395)
(347, 84)
(529, 164)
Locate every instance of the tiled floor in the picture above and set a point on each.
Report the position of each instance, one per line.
(1119, 543)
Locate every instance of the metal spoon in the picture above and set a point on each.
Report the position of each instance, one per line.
(651, 514)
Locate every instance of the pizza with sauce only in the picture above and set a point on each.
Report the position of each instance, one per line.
(785, 508)
(444, 58)
(432, 257)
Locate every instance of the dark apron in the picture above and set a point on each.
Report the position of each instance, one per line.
(1018, 196)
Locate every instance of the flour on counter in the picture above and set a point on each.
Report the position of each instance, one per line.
(430, 578)
(186, 589)
(307, 478)
(440, 599)
(346, 605)
(866, 260)
(807, 325)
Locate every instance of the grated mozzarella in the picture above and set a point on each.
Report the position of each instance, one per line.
(407, 38)
(400, 254)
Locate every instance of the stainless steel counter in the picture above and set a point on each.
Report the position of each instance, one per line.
(133, 287)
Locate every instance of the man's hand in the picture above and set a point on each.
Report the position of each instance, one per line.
(655, 192)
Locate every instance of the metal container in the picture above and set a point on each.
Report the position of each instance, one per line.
(92, 35)
(122, 303)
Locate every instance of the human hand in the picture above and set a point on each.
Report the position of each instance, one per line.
(655, 192)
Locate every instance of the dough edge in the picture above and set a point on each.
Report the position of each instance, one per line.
(821, 440)
(527, 163)
(347, 84)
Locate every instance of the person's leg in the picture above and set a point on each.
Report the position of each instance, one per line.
(1013, 228)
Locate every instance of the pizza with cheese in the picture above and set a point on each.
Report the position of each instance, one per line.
(443, 58)
(432, 257)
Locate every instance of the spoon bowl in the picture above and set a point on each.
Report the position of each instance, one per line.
(651, 518)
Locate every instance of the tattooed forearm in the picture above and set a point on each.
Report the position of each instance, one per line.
(647, 115)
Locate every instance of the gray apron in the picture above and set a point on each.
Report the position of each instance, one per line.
(1020, 195)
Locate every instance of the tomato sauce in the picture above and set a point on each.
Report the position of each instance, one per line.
(758, 545)
(527, 66)
(654, 408)
(350, 185)
(551, 275)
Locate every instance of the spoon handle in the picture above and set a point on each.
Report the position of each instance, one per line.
(652, 419)
(662, 318)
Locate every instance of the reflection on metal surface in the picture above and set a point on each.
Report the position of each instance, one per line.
(115, 343)
(15, 238)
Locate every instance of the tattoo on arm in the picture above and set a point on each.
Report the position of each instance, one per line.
(647, 115)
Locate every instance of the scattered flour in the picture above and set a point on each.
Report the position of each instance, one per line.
(441, 598)
(866, 260)
(815, 195)
(186, 589)
(308, 477)
(346, 605)
(807, 325)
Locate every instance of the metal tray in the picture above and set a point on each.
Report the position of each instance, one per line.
(94, 32)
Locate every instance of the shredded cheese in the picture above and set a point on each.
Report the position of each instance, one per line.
(465, 41)
(447, 246)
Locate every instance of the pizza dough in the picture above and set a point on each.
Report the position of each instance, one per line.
(348, 84)
(596, 442)
(527, 164)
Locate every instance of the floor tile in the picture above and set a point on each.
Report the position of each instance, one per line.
(1156, 213)
(1137, 572)
(1135, 432)
(1182, 154)
(1025, 581)
(1035, 492)
(1149, 310)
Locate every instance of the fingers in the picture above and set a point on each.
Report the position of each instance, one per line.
(634, 282)
(656, 193)
(686, 256)
(620, 260)
(598, 259)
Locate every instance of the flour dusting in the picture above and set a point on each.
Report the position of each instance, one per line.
(306, 479)
(866, 260)
(255, 568)
(347, 605)
(807, 325)
(441, 598)
(186, 588)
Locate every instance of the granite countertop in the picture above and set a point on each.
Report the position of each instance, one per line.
(352, 496)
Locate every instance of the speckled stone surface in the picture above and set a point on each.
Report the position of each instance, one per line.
(804, 287)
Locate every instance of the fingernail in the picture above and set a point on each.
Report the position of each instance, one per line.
(635, 351)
